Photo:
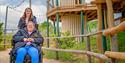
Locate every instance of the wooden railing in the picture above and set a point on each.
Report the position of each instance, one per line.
(51, 4)
(96, 55)
(105, 57)
(88, 52)
(115, 30)
(115, 55)
(112, 32)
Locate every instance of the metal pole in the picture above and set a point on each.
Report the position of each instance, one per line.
(47, 31)
(58, 34)
(5, 27)
(30, 2)
(104, 44)
(82, 23)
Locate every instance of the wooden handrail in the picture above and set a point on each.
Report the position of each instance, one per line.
(97, 55)
(115, 55)
(85, 35)
(115, 30)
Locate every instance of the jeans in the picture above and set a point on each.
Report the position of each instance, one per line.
(32, 51)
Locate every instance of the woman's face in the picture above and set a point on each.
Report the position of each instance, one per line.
(28, 12)
(30, 27)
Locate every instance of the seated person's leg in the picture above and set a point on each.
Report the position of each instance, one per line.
(21, 52)
(33, 52)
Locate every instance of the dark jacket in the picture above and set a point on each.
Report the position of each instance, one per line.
(23, 33)
(22, 23)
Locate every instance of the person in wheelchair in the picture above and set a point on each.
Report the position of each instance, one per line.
(27, 41)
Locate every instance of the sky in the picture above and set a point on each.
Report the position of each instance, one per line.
(38, 7)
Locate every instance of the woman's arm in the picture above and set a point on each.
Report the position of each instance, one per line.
(35, 22)
(19, 23)
(18, 37)
(39, 39)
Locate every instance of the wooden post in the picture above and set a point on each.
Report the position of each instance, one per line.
(85, 24)
(110, 16)
(87, 40)
(99, 36)
(47, 31)
(88, 48)
(113, 40)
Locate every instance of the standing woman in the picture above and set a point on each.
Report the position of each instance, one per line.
(27, 16)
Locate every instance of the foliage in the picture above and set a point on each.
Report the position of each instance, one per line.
(65, 43)
(1, 31)
(1, 35)
(121, 41)
(71, 43)
(43, 28)
(8, 39)
(92, 26)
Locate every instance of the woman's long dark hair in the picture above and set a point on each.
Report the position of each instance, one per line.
(24, 14)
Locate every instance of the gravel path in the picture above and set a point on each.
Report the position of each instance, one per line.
(4, 58)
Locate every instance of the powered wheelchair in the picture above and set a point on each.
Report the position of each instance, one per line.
(27, 58)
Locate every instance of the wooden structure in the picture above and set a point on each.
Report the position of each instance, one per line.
(74, 14)
(70, 14)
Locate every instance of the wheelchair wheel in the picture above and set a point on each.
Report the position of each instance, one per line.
(12, 58)
(27, 59)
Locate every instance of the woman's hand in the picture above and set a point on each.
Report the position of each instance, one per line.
(25, 40)
(30, 39)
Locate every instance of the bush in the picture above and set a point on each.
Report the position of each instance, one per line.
(121, 41)
(66, 43)
(1, 36)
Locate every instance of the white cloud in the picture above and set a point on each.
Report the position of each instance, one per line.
(2, 2)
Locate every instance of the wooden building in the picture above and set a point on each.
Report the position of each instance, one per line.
(71, 14)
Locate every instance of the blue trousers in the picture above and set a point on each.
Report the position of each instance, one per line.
(32, 51)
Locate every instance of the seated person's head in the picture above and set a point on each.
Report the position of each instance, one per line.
(30, 26)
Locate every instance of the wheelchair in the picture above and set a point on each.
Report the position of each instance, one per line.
(27, 58)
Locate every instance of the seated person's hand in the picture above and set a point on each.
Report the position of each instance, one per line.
(30, 39)
(25, 40)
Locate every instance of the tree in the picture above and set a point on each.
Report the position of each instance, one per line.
(1, 31)
(43, 28)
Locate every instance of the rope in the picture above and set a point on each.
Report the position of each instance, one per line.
(17, 4)
(14, 7)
